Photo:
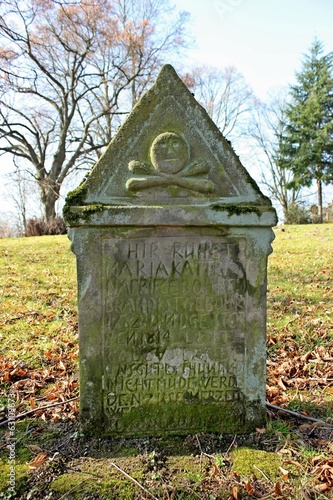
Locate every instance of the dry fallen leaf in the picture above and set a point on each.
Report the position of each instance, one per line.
(277, 489)
(234, 492)
(38, 461)
(249, 488)
(322, 487)
(215, 469)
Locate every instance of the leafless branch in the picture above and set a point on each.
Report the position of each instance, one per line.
(20, 416)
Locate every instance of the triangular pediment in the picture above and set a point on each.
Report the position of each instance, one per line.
(170, 152)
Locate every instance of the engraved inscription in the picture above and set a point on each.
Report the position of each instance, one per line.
(172, 308)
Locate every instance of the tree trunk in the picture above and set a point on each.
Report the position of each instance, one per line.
(320, 201)
(24, 219)
(285, 207)
(49, 196)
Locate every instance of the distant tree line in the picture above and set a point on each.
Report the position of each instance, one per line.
(70, 72)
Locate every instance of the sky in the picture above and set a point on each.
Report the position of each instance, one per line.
(264, 39)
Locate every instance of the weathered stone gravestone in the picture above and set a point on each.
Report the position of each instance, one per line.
(171, 237)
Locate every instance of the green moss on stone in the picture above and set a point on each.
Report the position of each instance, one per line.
(237, 209)
(76, 198)
(81, 484)
(85, 212)
(258, 463)
(100, 478)
(197, 417)
(21, 475)
(91, 209)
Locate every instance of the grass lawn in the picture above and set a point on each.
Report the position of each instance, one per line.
(291, 457)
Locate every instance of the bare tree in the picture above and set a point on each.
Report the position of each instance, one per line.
(69, 71)
(225, 95)
(266, 128)
(19, 196)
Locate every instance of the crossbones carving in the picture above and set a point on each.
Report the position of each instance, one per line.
(169, 155)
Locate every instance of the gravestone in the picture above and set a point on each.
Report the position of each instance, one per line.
(171, 236)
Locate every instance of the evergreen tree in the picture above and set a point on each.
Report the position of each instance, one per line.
(307, 144)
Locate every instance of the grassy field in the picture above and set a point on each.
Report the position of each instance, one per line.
(292, 457)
